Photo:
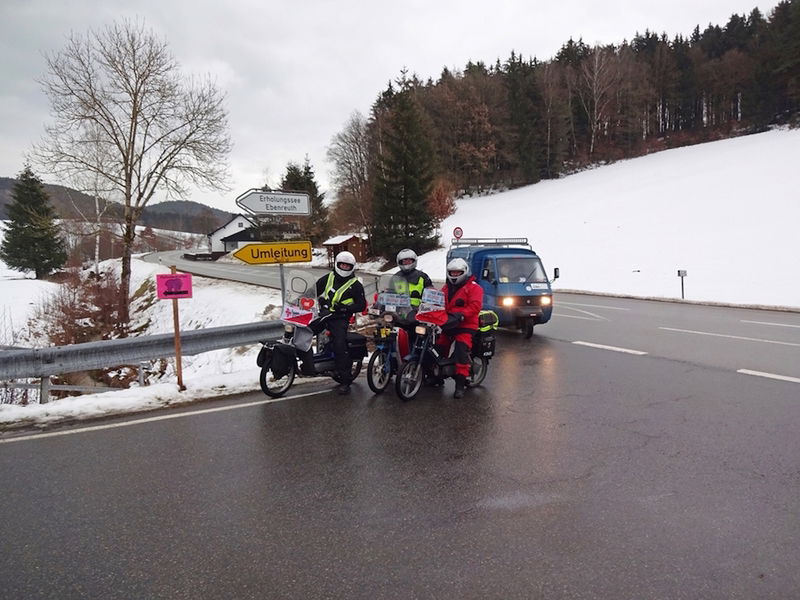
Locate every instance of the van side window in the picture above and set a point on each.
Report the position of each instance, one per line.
(488, 269)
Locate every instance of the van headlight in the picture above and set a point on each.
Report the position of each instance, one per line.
(508, 301)
(546, 300)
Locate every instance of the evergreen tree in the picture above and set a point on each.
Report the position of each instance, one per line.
(32, 239)
(526, 107)
(296, 179)
(403, 179)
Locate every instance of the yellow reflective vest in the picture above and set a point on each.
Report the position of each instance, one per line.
(334, 297)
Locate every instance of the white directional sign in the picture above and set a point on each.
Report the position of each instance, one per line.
(259, 202)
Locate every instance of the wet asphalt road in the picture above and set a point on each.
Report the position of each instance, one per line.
(573, 472)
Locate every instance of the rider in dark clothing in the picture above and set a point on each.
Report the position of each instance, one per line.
(415, 280)
(342, 294)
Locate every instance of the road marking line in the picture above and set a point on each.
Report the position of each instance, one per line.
(769, 375)
(734, 337)
(774, 324)
(614, 348)
(591, 305)
(563, 316)
(39, 436)
(591, 314)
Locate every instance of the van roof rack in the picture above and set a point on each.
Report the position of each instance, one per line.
(499, 242)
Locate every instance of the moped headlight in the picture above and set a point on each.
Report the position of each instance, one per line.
(419, 330)
(388, 318)
(288, 328)
(546, 300)
(508, 301)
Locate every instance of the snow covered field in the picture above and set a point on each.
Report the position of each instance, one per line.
(726, 212)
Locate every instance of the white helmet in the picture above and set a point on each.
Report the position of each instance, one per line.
(457, 271)
(345, 264)
(403, 260)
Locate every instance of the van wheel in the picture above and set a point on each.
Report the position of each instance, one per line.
(528, 329)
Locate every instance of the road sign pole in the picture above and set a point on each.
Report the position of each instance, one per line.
(177, 327)
(682, 274)
(283, 285)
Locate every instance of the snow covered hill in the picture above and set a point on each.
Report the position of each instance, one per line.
(727, 212)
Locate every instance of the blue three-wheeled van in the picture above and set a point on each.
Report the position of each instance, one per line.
(513, 279)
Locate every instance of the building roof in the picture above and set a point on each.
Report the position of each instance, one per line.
(339, 239)
(231, 220)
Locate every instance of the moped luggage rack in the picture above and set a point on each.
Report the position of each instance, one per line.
(498, 242)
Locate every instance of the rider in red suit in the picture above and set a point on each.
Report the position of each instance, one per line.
(462, 297)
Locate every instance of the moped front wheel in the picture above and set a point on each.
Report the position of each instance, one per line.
(379, 371)
(272, 386)
(409, 380)
(477, 371)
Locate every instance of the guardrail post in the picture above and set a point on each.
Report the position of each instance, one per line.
(44, 390)
(142, 367)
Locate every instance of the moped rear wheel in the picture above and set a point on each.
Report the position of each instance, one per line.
(273, 386)
(409, 380)
(379, 371)
(478, 369)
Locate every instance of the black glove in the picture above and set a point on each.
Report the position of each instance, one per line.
(461, 302)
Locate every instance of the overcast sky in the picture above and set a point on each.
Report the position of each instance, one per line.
(294, 71)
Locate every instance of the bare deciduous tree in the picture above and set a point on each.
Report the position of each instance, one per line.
(125, 114)
(349, 153)
(599, 76)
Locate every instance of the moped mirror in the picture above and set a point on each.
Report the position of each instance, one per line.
(298, 285)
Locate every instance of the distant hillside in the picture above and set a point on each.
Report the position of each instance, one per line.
(184, 215)
(188, 216)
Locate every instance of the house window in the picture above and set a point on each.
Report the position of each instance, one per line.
(240, 224)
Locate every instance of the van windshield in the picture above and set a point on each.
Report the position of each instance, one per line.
(520, 270)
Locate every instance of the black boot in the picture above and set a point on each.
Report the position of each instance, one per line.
(307, 367)
(461, 385)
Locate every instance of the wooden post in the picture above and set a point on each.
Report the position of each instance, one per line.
(177, 326)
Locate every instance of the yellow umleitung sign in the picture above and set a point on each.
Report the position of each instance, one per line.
(274, 253)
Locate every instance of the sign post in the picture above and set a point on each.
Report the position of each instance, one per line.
(275, 202)
(681, 274)
(271, 253)
(172, 287)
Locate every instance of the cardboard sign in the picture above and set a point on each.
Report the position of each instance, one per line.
(433, 296)
(297, 315)
(388, 299)
(178, 285)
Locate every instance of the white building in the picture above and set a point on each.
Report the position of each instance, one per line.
(237, 224)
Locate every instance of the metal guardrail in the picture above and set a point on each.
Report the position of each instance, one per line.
(43, 362)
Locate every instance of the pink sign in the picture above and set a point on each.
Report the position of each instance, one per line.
(171, 286)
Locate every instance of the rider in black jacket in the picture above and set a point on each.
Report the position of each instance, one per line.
(342, 294)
